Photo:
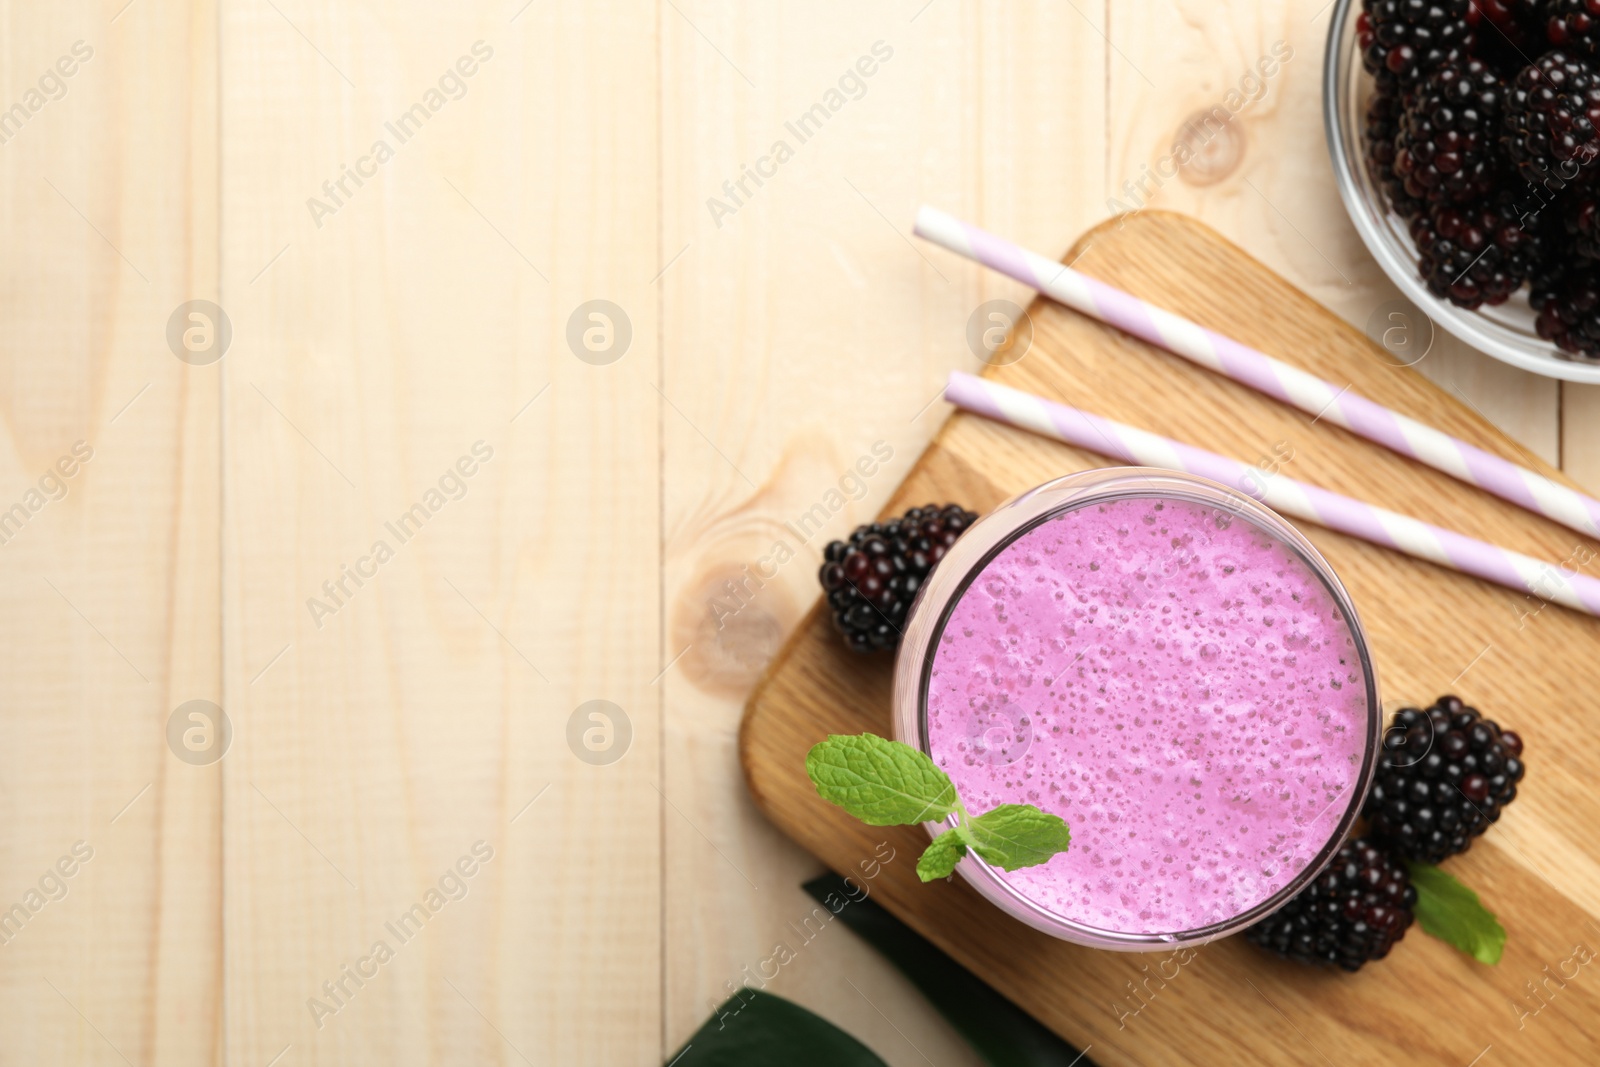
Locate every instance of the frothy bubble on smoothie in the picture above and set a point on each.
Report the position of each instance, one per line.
(1177, 684)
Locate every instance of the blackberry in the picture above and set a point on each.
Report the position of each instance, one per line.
(1444, 775)
(1475, 254)
(1445, 150)
(1568, 306)
(1403, 41)
(1573, 24)
(872, 579)
(1580, 221)
(1353, 912)
(1383, 125)
(1506, 33)
(1551, 112)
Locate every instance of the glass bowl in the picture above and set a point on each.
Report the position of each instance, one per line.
(1504, 331)
(1192, 720)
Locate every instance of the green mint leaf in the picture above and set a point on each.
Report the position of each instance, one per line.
(939, 859)
(880, 782)
(886, 783)
(1016, 835)
(1451, 912)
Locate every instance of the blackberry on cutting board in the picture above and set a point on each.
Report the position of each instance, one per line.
(871, 579)
(1551, 112)
(1475, 254)
(1403, 41)
(1444, 775)
(1353, 912)
(1446, 148)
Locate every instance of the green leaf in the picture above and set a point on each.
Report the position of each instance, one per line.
(758, 1028)
(880, 782)
(939, 859)
(1001, 1033)
(1451, 912)
(1016, 835)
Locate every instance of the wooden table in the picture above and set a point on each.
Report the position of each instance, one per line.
(571, 508)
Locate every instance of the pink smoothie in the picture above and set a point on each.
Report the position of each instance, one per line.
(1173, 681)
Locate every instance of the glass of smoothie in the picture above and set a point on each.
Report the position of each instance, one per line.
(1171, 668)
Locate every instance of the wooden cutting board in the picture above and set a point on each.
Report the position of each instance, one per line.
(1433, 631)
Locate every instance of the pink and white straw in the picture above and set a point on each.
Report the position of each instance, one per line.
(1390, 529)
(1315, 396)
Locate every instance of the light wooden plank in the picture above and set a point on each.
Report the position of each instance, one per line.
(108, 594)
(429, 313)
(803, 327)
(1580, 434)
(1260, 172)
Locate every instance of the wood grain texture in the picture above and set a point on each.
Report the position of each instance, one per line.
(1260, 173)
(1580, 434)
(422, 323)
(108, 590)
(769, 353)
(1431, 631)
(801, 331)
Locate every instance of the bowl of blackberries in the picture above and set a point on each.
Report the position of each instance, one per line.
(1465, 137)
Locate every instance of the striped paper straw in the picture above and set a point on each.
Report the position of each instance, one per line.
(1344, 514)
(1315, 396)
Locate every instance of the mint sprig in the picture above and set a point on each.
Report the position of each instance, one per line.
(1451, 912)
(887, 783)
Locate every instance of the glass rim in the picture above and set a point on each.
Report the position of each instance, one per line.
(1000, 528)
